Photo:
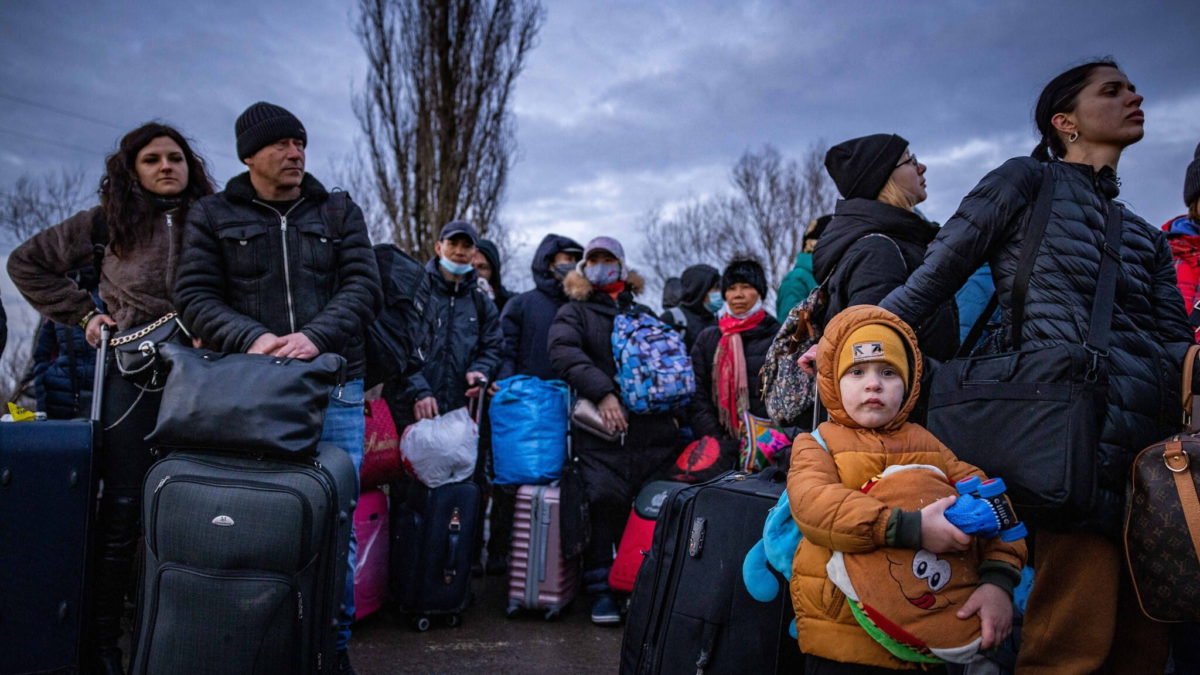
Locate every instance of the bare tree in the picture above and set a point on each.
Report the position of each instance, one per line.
(765, 216)
(438, 137)
(32, 204)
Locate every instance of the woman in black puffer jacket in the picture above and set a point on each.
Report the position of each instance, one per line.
(722, 395)
(1086, 117)
(876, 239)
(581, 353)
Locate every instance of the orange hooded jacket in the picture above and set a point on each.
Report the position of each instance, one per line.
(833, 514)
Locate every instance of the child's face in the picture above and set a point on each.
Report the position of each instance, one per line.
(872, 393)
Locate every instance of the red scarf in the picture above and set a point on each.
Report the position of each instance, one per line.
(613, 290)
(731, 387)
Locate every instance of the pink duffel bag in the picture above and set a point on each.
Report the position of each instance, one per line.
(381, 447)
(371, 566)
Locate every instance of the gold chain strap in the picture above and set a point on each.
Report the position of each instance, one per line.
(133, 337)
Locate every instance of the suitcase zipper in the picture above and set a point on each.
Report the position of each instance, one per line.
(306, 529)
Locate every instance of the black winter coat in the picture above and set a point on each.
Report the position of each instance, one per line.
(703, 408)
(247, 270)
(1150, 334)
(464, 337)
(526, 319)
(63, 368)
(866, 268)
(697, 281)
(581, 354)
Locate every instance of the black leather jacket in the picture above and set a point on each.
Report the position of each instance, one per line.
(247, 269)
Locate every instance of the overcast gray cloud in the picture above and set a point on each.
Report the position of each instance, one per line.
(623, 105)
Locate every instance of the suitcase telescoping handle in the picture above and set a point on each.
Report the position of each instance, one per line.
(477, 415)
(98, 376)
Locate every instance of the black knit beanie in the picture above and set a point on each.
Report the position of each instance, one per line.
(745, 271)
(262, 124)
(1191, 181)
(860, 167)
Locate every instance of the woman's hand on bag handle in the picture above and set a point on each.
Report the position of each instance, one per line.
(939, 535)
(808, 360)
(610, 412)
(92, 332)
(426, 408)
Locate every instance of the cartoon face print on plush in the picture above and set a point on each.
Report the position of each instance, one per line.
(907, 599)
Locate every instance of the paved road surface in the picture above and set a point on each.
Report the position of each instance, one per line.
(487, 641)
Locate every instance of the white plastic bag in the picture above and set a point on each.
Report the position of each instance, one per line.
(441, 450)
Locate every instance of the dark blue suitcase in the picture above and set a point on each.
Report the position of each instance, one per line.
(47, 505)
(433, 534)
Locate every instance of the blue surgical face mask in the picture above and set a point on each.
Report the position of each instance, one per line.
(453, 267)
(602, 274)
(715, 300)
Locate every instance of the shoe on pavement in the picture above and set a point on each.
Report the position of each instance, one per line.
(605, 611)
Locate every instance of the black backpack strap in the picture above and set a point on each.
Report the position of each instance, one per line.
(1035, 232)
(977, 328)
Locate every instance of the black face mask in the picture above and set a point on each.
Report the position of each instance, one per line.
(561, 270)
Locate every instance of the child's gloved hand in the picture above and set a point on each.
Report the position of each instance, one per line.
(939, 535)
(995, 610)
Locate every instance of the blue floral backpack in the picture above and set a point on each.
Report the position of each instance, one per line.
(654, 371)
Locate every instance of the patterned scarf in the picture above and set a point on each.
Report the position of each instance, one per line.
(731, 388)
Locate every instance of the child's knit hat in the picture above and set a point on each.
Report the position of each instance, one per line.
(874, 342)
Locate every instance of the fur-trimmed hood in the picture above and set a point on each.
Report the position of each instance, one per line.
(579, 288)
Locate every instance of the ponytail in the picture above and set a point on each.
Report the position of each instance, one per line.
(1042, 152)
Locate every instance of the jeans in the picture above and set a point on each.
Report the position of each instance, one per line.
(346, 428)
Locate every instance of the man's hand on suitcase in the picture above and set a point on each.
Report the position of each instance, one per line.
(474, 380)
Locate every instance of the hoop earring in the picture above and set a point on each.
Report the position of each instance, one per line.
(1073, 137)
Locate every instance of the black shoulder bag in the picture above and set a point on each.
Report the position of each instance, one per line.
(1033, 415)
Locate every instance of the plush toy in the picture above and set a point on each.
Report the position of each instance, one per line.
(775, 550)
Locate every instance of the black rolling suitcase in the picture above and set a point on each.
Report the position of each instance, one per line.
(47, 505)
(433, 535)
(245, 562)
(690, 612)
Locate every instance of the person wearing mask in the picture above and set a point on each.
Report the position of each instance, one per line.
(487, 272)
(525, 323)
(148, 188)
(876, 239)
(728, 356)
(799, 282)
(1081, 616)
(700, 301)
(465, 339)
(312, 289)
(581, 353)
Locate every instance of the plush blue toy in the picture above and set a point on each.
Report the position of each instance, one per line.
(775, 550)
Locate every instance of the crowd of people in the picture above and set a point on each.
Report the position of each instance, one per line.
(277, 264)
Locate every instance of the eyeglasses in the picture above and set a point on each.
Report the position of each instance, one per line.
(912, 159)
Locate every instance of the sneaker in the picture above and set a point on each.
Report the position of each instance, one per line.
(604, 610)
(343, 666)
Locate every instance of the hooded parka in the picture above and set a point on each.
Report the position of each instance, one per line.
(492, 254)
(866, 268)
(697, 281)
(833, 513)
(526, 319)
(581, 354)
(1150, 334)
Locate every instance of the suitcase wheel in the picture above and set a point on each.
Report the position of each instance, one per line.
(512, 609)
(421, 623)
(454, 620)
(553, 613)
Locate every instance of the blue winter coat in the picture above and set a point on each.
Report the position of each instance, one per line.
(526, 319)
(63, 367)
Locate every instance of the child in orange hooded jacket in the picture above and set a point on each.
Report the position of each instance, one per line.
(868, 377)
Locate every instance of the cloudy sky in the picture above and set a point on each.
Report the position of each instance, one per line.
(623, 105)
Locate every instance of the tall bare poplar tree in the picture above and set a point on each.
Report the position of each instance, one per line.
(438, 136)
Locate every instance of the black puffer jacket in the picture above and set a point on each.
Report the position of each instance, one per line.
(703, 408)
(581, 354)
(464, 337)
(247, 270)
(866, 268)
(526, 319)
(697, 281)
(1150, 333)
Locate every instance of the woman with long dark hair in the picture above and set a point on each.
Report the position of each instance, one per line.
(148, 185)
(1086, 117)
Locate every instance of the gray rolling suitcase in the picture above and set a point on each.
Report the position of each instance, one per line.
(245, 562)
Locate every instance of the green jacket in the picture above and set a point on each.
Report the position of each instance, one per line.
(795, 286)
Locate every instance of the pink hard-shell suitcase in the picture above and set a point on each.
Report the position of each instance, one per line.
(371, 565)
(539, 578)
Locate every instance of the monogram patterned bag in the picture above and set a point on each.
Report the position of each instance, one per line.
(1162, 525)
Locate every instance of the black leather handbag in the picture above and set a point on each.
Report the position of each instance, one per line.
(254, 403)
(1033, 415)
(136, 351)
